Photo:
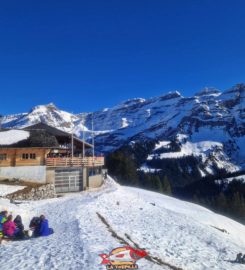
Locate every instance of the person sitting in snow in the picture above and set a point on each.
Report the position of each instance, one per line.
(3, 218)
(35, 225)
(9, 227)
(19, 232)
(243, 259)
(44, 229)
(240, 258)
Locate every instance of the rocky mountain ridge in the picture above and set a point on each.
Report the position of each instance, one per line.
(209, 116)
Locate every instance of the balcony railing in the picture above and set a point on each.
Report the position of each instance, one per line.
(75, 162)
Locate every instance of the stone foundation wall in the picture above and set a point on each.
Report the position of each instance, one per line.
(32, 174)
(33, 193)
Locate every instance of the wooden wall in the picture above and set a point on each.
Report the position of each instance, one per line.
(10, 161)
(14, 156)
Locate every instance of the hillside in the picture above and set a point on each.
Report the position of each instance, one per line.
(175, 232)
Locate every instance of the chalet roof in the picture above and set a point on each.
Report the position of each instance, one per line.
(39, 135)
(52, 130)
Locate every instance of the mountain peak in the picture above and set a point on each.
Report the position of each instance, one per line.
(238, 88)
(128, 103)
(170, 95)
(208, 91)
(51, 104)
(44, 107)
(133, 101)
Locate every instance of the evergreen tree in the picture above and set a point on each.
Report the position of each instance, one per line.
(122, 166)
(157, 184)
(195, 199)
(166, 186)
(221, 202)
(237, 206)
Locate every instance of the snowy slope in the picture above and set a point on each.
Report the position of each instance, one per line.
(176, 232)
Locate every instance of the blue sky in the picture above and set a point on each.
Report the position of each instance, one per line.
(87, 55)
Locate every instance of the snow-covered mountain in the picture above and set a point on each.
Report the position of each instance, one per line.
(210, 125)
(175, 234)
(209, 115)
(48, 114)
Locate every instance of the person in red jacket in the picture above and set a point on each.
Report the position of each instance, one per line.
(9, 227)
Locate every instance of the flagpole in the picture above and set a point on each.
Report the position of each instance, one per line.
(83, 137)
(93, 134)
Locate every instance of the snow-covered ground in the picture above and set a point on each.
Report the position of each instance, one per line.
(180, 233)
(7, 189)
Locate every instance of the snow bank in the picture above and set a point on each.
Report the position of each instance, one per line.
(13, 136)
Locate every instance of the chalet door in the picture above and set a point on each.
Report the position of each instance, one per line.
(68, 180)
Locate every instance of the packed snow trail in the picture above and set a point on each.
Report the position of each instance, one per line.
(54, 252)
(175, 232)
(130, 242)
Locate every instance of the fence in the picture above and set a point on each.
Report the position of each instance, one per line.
(75, 162)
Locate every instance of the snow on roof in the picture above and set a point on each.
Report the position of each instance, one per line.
(13, 136)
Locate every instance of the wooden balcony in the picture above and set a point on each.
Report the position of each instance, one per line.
(75, 162)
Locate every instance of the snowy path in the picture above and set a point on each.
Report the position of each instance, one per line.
(176, 232)
(54, 252)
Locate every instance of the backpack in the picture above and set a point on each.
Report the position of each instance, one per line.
(2, 220)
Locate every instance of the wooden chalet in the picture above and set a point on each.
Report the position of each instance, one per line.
(41, 153)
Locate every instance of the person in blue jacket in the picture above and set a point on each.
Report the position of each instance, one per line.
(44, 229)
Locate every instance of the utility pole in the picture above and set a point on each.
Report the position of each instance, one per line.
(72, 144)
(83, 137)
(93, 134)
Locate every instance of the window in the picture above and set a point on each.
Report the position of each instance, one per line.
(29, 156)
(25, 156)
(33, 156)
(3, 156)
